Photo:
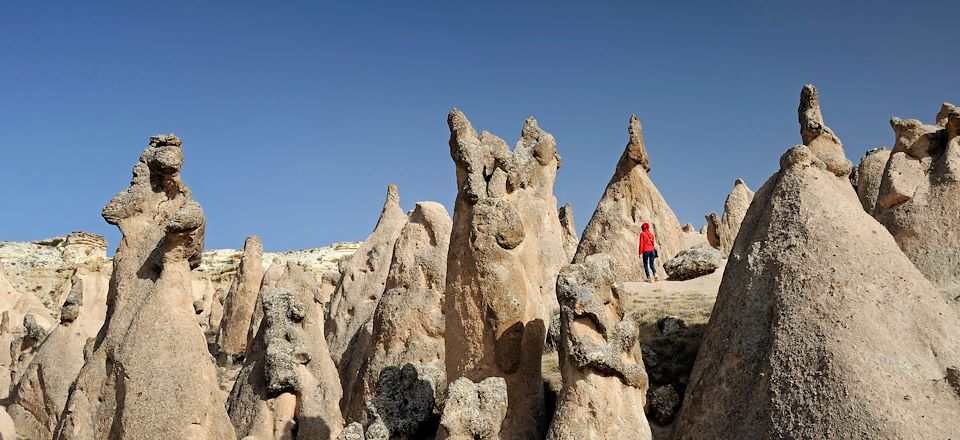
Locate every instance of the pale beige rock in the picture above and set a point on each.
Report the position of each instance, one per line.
(474, 411)
(408, 325)
(604, 381)
(630, 200)
(722, 231)
(506, 249)
(150, 375)
(270, 279)
(843, 349)
(688, 228)
(869, 175)
(240, 302)
(7, 428)
(364, 276)
(570, 239)
(919, 197)
(288, 387)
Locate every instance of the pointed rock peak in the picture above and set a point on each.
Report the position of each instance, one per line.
(393, 198)
(71, 306)
(739, 182)
(811, 119)
(254, 243)
(821, 140)
(530, 128)
(459, 124)
(566, 215)
(635, 147)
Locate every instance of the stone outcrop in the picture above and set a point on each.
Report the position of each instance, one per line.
(694, 262)
(630, 200)
(288, 387)
(269, 280)
(569, 231)
(240, 302)
(474, 411)
(407, 327)
(150, 374)
(506, 249)
(722, 231)
(604, 381)
(869, 175)
(919, 197)
(857, 347)
(362, 281)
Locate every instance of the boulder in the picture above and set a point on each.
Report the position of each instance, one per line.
(604, 381)
(630, 200)
(669, 325)
(834, 350)
(474, 411)
(240, 302)
(150, 374)
(722, 231)
(869, 175)
(694, 262)
(506, 249)
(662, 404)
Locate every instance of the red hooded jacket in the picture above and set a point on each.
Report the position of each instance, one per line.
(647, 240)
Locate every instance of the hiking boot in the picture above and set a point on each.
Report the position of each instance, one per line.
(648, 279)
(656, 278)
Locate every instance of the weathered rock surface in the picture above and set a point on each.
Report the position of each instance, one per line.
(663, 404)
(722, 231)
(506, 249)
(869, 175)
(604, 381)
(363, 278)
(474, 411)
(919, 197)
(630, 200)
(150, 374)
(407, 327)
(693, 262)
(288, 387)
(837, 350)
(240, 302)
(569, 231)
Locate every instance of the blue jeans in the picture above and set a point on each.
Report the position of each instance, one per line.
(648, 263)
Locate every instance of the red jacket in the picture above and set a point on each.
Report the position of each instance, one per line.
(647, 240)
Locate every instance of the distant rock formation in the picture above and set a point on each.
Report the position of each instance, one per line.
(150, 375)
(721, 232)
(267, 283)
(919, 197)
(240, 302)
(630, 200)
(569, 231)
(506, 248)
(604, 381)
(835, 350)
(869, 175)
(474, 411)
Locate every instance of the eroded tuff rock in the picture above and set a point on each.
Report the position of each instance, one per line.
(869, 175)
(506, 249)
(363, 278)
(722, 231)
(569, 231)
(604, 381)
(836, 350)
(150, 374)
(693, 262)
(407, 327)
(630, 200)
(474, 411)
(919, 197)
(240, 302)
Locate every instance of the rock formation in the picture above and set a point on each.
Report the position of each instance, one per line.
(506, 249)
(693, 262)
(869, 175)
(474, 411)
(721, 232)
(240, 301)
(288, 387)
(857, 347)
(604, 381)
(364, 276)
(269, 280)
(407, 328)
(150, 375)
(569, 231)
(919, 197)
(630, 200)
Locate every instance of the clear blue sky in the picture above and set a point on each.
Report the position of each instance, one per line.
(296, 115)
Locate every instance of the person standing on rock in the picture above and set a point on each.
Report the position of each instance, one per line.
(648, 251)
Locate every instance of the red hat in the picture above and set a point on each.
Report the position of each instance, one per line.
(645, 226)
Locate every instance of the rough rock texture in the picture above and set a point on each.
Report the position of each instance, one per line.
(406, 402)
(240, 302)
(474, 411)
(869, 175)
(721, 232)
(693, 262)
(363, 278)
(857, 347)
(919, 197)
(408, 324)
(288, 387)
(604, 381)
(506, 249)
(663, 404)
(630, 200)
(150, 375)
(569, 231)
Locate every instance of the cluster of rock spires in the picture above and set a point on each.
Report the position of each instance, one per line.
(833, 317)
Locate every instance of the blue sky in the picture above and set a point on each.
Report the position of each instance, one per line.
(296, 115)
